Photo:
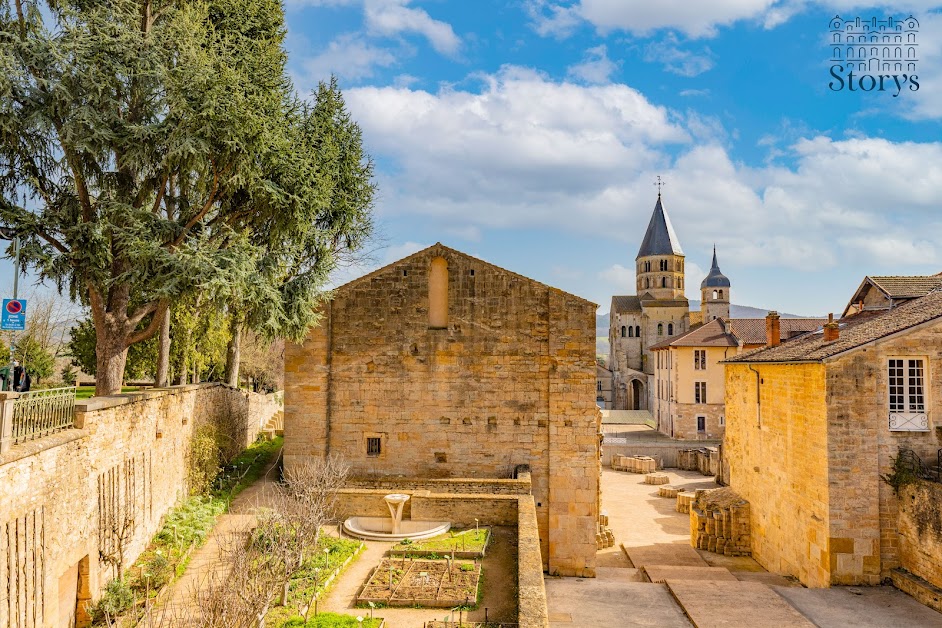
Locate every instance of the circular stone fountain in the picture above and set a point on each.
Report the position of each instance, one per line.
(393, 528)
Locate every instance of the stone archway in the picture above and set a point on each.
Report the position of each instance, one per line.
(636, 398)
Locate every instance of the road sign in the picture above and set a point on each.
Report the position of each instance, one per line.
(13, 316)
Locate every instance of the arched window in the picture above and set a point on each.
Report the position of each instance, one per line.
(660, 329)
(663, 282)
(646, 283)
(623, 331)
(670, 329)
(714, 295)
(631, 332)
(638, 331)
(438, 294)
(721, 295)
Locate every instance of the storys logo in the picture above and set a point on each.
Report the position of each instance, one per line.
(870, 55)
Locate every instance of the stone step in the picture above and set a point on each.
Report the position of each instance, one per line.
(914, 586)
(712, 604)
(663, 573)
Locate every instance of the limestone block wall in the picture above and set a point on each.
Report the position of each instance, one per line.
(778, 449)
(509, 380)
(124, 460)
(685, 415)
(920, 531)
(864, 509)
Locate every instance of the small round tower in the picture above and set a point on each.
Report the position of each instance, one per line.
(714, 293)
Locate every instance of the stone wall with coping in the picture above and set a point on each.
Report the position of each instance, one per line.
(126, 455)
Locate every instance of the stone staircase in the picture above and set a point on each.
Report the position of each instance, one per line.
(275, 425)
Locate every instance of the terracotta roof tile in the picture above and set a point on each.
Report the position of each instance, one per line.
(855, 331)
(898, 287)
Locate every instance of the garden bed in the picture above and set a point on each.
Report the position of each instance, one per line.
(471, 543)
(424, 583)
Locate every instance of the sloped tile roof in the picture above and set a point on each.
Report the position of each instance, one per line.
(855, 331)
(711, 334)
(898, 287)
(752, 330)
(626, 304)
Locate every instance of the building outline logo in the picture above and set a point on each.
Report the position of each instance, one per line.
(873, 54)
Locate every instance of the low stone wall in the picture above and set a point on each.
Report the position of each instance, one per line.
(519, 486)
(64, 496)
(462, 509)
(920, 532)
(531, 592)
(706, 460)
(665, 452)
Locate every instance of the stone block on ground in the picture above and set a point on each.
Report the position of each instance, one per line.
(715, 604)
(656, 478)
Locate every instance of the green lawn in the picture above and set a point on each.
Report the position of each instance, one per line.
(333, 620)
(459, 540)
(84, 392)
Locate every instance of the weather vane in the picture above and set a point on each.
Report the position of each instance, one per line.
(659, 184)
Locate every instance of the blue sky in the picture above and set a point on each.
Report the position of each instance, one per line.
(529, 133)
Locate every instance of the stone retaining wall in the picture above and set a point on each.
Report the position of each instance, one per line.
(920, 530)
(123, 461)
(665, 452)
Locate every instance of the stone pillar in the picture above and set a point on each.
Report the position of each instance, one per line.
(6, 420)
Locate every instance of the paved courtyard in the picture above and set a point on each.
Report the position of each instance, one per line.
(652, 577)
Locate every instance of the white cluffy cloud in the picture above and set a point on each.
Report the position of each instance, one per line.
(595, 67)
(394, 17)
(526, 151)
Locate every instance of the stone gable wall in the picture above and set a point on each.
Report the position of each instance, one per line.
(510, 381)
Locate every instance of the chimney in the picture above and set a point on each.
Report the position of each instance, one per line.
(773, 334)
(832, 331)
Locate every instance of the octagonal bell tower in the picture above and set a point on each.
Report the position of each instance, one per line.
(714, 293)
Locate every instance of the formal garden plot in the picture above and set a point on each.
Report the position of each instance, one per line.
(428, 583)
(470, 543)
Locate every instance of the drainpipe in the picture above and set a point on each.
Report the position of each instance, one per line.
(758, 398)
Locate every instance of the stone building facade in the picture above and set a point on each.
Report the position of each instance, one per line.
(689, 377)
(603, 387)
(813, 424)
(441, 365)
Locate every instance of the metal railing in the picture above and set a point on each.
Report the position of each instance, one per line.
(42, 412)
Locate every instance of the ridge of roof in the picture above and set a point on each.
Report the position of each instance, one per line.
(442, 248)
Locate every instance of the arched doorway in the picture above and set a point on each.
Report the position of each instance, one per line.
(636, 398)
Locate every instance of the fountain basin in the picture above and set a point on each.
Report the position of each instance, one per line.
(381, 528)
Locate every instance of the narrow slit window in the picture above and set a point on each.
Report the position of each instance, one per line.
(438, 294)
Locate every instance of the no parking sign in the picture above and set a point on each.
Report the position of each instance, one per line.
(14, 315)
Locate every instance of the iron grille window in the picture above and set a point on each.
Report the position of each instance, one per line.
(374, 446)
(907, 386)
(699, 392)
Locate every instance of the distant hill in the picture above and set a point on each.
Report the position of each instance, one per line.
(735, 311)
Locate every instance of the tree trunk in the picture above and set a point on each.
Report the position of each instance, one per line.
(163, 352)
(111, 354)
(234, 352)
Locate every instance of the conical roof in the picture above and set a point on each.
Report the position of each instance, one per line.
(715, 279)
(660, 238)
